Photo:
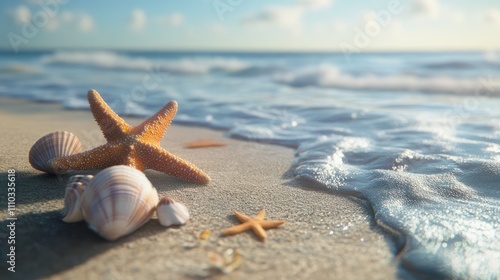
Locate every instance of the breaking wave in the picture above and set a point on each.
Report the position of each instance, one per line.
(327, 76)
(116, 61)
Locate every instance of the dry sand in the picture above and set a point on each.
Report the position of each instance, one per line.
(326, 236)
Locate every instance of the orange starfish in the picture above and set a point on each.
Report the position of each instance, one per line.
(257, 224)
(135, 146)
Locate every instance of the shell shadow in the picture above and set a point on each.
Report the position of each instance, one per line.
(45, 245)
(33, 187)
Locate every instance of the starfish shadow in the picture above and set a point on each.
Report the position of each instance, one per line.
(164, 182)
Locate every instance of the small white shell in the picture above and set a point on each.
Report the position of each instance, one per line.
(51, 146)
(73, 198)
(119, 200)
(171, 212)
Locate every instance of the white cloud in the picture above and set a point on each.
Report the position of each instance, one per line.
(52, 25)
(82, 21)
(428, 8)
(493, 16)
(289, 17)
(138, 20)
(316, 4)
(174, 19)
(86, 23)
(67, 16)
(21, 15)
(282, 16)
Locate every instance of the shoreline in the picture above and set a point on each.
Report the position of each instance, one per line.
(326, 236)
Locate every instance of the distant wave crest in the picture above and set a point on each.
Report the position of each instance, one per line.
(327, 76)
(322, 76)
(116, 61)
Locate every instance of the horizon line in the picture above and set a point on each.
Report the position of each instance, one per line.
(236, 50)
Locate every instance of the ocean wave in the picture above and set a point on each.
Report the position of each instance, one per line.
(116, 61)
(440, 204)
(490, 60)
(454, 65)
(328, 76)
(19, 68)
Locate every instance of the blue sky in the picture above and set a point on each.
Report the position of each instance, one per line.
(297, 25)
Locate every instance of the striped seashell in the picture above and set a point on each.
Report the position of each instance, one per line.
(119, 200)
(171, 212)
(51, 146)
(72, 211)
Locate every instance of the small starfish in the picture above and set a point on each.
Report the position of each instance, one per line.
(257, 224)
(135, 146)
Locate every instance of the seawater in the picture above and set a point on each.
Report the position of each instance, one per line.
(417, 135)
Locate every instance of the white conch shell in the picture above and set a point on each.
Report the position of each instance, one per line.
(73, 198)
(171, 212)
(53, 145)
(118, 201)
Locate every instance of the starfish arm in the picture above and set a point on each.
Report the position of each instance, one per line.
(261, 215)
(98, 158)
(236, 229)
(241, 217)
(270, 224)
(112, 126)
(153, 129)
(259, 231)
(159, 159)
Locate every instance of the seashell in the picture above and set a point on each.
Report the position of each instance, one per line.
(72, 211)
(226, 262)
(84, 179)
(204, 235)
(171, 212)
(119, 200)
(51, 146)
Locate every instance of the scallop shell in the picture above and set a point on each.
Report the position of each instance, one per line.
(73, 198)
(171, 212)
(118, 201)
(50, 146)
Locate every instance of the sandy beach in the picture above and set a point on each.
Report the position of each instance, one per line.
(326, 236)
